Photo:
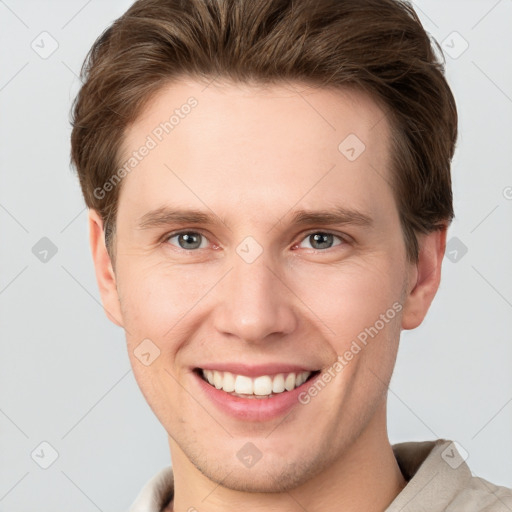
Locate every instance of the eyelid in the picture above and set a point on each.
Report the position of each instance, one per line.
(345, 239)
(172, 234)
(342, 236)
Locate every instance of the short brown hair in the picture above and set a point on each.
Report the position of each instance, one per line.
(377, 46)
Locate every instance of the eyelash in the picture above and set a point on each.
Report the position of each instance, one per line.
(343, 239)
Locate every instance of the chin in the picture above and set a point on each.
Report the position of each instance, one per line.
(266, 476)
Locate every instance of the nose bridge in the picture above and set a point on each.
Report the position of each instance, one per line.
(255, 303)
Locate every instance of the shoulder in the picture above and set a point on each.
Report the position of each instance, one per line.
(439, 479)
(156, 493)
(480, 495)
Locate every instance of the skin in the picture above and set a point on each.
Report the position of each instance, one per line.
(252, 156)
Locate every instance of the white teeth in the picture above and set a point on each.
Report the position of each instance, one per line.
(278, 384)
(301, 378)
(243, 385)
(229, 382)
(263, 385)
(217, 379)
(289, 383)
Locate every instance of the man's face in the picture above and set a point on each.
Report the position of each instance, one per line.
(252, 286)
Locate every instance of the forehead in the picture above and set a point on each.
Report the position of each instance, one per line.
(250, 145)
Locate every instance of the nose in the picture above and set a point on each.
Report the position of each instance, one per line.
(254, 302)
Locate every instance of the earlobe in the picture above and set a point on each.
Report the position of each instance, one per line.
(105, 275)
(425, 277)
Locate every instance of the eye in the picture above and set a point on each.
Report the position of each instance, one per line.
(321, 240)
(188, 240)
(193, 240)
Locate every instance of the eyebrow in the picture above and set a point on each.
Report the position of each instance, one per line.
(339, 215)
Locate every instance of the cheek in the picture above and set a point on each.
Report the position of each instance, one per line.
(351, 297)
(156, 306)
(155, 298)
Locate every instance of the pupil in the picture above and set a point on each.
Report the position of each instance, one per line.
(191, 239)
(324, 239)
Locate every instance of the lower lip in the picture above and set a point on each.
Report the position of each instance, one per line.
(254, 409)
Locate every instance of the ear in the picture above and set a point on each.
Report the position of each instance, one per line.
(424, 278)
(105, 276)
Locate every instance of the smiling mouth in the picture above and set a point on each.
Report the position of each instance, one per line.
(263, 386)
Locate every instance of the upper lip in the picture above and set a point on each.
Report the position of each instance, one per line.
(258, 369)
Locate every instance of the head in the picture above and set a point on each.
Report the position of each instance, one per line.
(259, 116)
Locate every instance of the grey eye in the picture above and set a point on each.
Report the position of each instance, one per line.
(188, 240)
(321, 240)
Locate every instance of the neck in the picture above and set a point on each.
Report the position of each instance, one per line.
(366, 476)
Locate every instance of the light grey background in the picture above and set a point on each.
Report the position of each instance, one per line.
(65, 377)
